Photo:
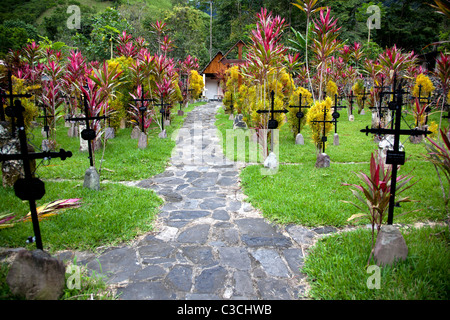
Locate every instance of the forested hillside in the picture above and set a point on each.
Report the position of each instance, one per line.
(410, 24)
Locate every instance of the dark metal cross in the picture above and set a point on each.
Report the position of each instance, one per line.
(87, 134)
(143, 108)
(8, 110)
(231, 104)
(300, 113)
(395, 157)
(381, 94)
(162, 111)
(273, 124)
(324, 121)
(423, 100)
(30, 188)
(335, 113)
(351, 96)
(45, 117)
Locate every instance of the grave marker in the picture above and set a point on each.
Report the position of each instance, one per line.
(30, 188)
(273, 124)
(91, 177)
(324, 121)
(143, 108)
(395, 157)
(11, 96)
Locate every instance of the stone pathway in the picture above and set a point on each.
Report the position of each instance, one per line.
(209, 243)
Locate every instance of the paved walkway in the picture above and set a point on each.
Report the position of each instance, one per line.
(209, 243)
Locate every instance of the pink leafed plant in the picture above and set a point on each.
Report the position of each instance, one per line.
(374, 191)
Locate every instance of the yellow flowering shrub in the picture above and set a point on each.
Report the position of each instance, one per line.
(433, 127)
(231, 86)
(294, 101)
(316, 112)
(196, 83)
(31, 110)
(426, 89)
(331, 89)
(358, 91)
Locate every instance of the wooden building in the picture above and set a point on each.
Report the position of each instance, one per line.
(215, 70)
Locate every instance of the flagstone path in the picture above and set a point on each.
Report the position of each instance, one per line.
(209, 243)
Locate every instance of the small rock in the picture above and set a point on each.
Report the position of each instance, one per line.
(390, 246)
(143, 141)
(162, 134)
(323, 160)
(91, 179)
(36, 275)
(299, 139)
(335, 139)
(135, 132)
(271, 161)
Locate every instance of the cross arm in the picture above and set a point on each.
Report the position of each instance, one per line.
(63, 154)
(87, 118)
(411, 132)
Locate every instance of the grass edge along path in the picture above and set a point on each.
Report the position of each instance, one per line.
(117, 213)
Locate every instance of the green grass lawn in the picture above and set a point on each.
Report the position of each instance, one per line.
(336, 266)
(300, 193)
(114, 214)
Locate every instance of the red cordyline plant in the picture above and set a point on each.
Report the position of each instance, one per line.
(325, 42)
(136, 114)
(96, 103)
(308, 7)
(159, 28)
(443, 72)
(73, 79)
(266, 52)
(392, 61)
(376, 191)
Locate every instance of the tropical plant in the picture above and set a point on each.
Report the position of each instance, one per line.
(294, 101)
(139, 118)
(439, 156)
(308, 7)
(376, 192)
(325, 42)
(196, 83)
(320, 129)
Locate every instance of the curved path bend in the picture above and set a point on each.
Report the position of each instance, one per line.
(209, 243)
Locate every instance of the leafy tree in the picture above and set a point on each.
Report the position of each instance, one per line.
(188, 28)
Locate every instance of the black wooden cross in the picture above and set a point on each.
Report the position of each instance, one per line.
(162, 111)
(87, 134)
(231, 104)
(11, 96)
(324, 121)
(300, 113)
(143, 108)
(30, 188)
(351, 96)
(2, 111)
(364, 96)
(45, 117)
(423, 100)
(395, 157)
(381, 94)
(273, 124)
(335, 113)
